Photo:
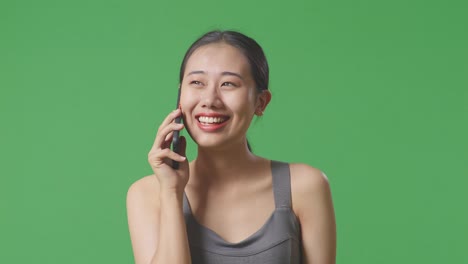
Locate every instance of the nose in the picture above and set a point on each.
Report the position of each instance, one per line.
(211, 97)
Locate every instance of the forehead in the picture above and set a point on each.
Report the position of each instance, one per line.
(218, 57)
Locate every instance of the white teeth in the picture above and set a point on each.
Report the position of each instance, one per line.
(211, 120)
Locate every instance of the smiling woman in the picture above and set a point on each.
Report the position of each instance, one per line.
(227, 205)
(218, 77)
(251, 51)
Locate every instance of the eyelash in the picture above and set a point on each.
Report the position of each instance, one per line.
(224, 83)
(230, 84)
(195, 82)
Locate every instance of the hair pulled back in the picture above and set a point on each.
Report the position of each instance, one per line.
(248, 46)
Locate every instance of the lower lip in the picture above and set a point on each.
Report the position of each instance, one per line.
(211, 127)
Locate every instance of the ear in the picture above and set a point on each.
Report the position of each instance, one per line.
(263, 99)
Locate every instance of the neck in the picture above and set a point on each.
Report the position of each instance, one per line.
(223, 165)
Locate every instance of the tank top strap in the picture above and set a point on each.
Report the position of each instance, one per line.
(281, 183)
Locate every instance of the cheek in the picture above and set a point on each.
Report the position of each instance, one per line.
(187, 100)
(240, 105)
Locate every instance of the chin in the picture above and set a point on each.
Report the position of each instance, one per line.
(210, 143)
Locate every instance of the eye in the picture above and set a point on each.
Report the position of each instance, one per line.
(194, 82)
(229, 84)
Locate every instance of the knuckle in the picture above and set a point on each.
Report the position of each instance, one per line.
(155, 153)
(165, 151)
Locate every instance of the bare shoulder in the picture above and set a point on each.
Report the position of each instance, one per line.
(305, 178)
(144, 191)
(309, 185)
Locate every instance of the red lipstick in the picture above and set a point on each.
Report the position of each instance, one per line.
(211, 127)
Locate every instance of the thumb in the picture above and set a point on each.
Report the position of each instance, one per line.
(183, 146)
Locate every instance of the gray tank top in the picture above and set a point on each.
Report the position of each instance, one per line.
(278, 241)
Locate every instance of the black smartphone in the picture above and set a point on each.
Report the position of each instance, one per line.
(176, 135)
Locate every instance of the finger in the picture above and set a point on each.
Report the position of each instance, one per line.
(160, 137)
(169, 154)
(164, 156)
(168, 140)
(169, 136)
(170, 117)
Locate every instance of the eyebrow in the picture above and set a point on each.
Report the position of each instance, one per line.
(223, 73)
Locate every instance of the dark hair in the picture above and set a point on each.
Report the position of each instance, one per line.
(248, 46)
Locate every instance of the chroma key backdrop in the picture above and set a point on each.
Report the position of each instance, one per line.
(373, 93)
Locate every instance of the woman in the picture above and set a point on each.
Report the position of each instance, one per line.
(228, 205)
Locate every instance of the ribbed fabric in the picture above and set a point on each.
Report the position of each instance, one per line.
(276, 242)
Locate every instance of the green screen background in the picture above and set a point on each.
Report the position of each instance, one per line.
(373, 93)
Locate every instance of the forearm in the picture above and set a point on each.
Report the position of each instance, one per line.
(173, 244)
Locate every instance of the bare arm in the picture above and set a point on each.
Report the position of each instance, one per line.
(143, 219)
(156, 224)
(173, 244)
(154, 204)
(312, 201)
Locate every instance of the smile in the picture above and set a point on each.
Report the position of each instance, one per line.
(211, 122)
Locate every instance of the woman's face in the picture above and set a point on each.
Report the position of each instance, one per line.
(218, 96)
